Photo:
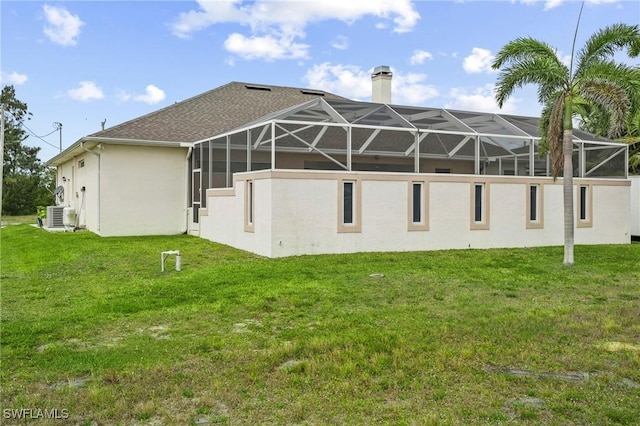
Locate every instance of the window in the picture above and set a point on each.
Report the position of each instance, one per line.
(583, 202)
(417, 202)
(349, 206)
(347, 203)
(585, 206)
(534, 206)
(250, 200)
(418, 206)
(80, 164)
(249, 206)
(480, 205)
(478, 213)
(533, 203)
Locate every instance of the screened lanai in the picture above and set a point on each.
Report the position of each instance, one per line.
(338, 134)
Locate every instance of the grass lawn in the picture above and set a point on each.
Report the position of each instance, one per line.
(92, 328)
(18, 220)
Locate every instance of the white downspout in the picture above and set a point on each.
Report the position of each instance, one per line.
(186, 194)
(99, 165)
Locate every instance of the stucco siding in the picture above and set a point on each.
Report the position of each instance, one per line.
(304, 217)
(223, 220)
(611, 222)
(142, 190)
(635, 205)
(302, 211)
(79, 178)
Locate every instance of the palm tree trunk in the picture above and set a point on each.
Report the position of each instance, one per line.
(567, 179)
(567, 187)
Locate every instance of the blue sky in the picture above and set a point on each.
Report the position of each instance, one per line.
(81, 62)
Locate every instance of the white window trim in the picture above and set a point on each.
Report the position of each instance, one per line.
(423, 224)
(539, 222)
(356, 226)
(484, 222)
(249, 205)
(588, 221)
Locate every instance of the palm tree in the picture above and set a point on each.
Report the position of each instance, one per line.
(595, 120)
(596, 79)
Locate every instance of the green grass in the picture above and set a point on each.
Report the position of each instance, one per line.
(18, 220)
(90, 325)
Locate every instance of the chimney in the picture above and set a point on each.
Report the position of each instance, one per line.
(381, 85)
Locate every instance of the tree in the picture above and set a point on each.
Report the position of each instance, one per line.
(596, 80)
(594, 120)
(26, 182)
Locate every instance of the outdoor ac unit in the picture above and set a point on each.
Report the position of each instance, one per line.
(55, 217)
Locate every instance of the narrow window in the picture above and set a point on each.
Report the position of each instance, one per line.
(584, 213)
(583, 203)
(418, 206)
(478, 202)
(417, 202)
(80, 164)
(533, 203)
(249, 206)
(250, 202)
(347, 204)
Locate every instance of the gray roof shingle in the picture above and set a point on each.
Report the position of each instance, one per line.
(211, 113)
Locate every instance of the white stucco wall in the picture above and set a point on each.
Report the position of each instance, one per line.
(297, 213)
(635, 205)
(224, 221)
(142, 190)
(73, 177)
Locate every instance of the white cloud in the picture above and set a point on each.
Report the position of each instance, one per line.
(410, 89)
(152, 96)
(86, 91)
(353, 82)
(478, 61)
(552, 4)
(349, 81)
(279, 24)
(298, 14)
(565, 59)
(268, 47)
(481, 99)
(13, 78)
(62, 27)
(340, 43)
(210, 13)
(419, 56)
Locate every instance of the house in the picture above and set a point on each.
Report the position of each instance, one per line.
(134, 178)
(283, 171)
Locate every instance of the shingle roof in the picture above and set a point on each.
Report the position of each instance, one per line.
(211, 113)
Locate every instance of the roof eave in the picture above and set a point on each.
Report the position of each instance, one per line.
(79, 147)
